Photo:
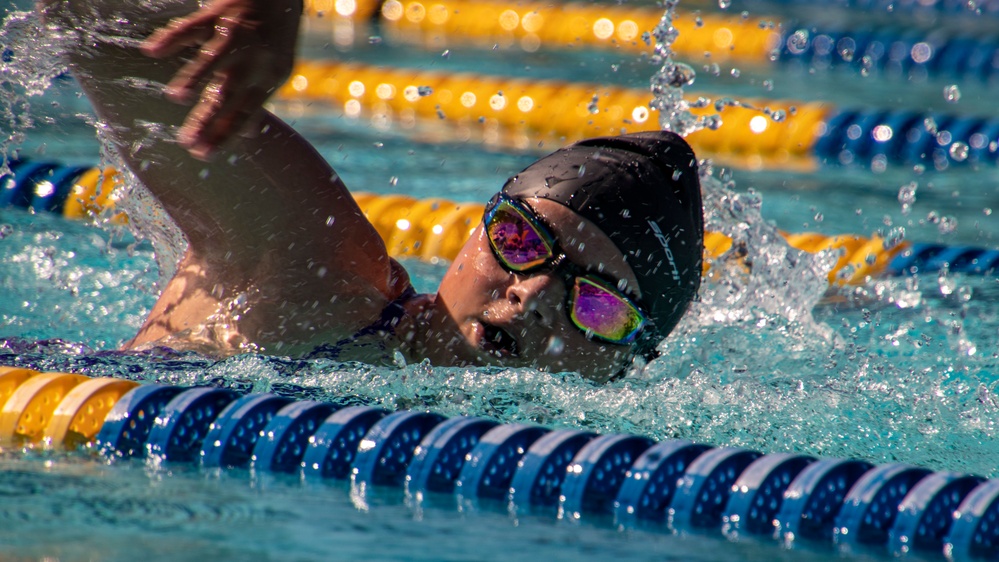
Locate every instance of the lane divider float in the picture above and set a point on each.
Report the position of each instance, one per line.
(628, 480)
(435, 229)
(703, 35)
(754, 134)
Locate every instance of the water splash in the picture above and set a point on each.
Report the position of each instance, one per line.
(30, 59)
(760, 277)
(33, 56)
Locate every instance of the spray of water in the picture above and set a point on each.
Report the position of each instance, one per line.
(761, 278)
(30, 60)
(33, 56)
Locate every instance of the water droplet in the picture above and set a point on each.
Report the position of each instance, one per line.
(712, 122)
(593, 108)
(682, 75)
(778, 116)
(959, 151)
(446, 54)
(947, 284)
(797, 43)
(907, 196)
(894, 237)
(424, 91)
(952, 93)
(964, 293)
(374, 40)
(393, 181)
(724, 4)
(736, 72)
(947, 225)
(768, 85)
(555, 346)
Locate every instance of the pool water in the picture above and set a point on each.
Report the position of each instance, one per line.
(900, 369)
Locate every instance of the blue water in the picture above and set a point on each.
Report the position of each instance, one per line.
(897, 370)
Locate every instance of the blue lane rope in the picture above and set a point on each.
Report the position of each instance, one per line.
(981, 7)
(900, 51)
(908, 137)
(925, 258)
(624, 480)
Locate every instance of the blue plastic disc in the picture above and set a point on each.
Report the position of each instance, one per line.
(651, 482)
(384, 454)
(926, 514)
(18, 191)
(232, 436)
(539, 475)
(60, 183)
(286, 437)
(180, 430)
(126, 427)
(975, 532)
(814, 498)
(596, 473)
(441, 455)
(758, 493)
(492, 462)
(705, 488)
(870, 508)
(333, 448)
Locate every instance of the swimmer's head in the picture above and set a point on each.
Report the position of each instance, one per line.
(642, 190)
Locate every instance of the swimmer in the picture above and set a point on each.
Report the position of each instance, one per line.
(582, 262)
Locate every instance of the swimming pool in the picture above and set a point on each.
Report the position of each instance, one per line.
(899, 369)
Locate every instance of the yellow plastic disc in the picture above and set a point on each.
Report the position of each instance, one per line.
(10, 379)
(30, 407)
(80, 415)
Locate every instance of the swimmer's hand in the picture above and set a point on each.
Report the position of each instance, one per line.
(246, 49)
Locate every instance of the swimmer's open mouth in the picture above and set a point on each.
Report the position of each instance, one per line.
(498, 341)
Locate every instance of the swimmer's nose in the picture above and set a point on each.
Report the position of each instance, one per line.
(538, 298)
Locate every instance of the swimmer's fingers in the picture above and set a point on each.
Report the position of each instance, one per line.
(179, 34)
(218, 51)
(226, 108)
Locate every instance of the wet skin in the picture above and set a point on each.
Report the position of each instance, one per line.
(309, 280)
(478, 297)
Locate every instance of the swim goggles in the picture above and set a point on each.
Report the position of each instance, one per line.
(522, 243)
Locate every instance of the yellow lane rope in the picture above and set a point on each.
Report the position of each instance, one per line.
(780, 134)
(535, 25)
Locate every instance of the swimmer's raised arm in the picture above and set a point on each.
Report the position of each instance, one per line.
(269, 223)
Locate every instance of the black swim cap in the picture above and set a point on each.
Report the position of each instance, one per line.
(643, 191)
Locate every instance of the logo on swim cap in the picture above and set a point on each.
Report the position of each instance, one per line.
(664, 241)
